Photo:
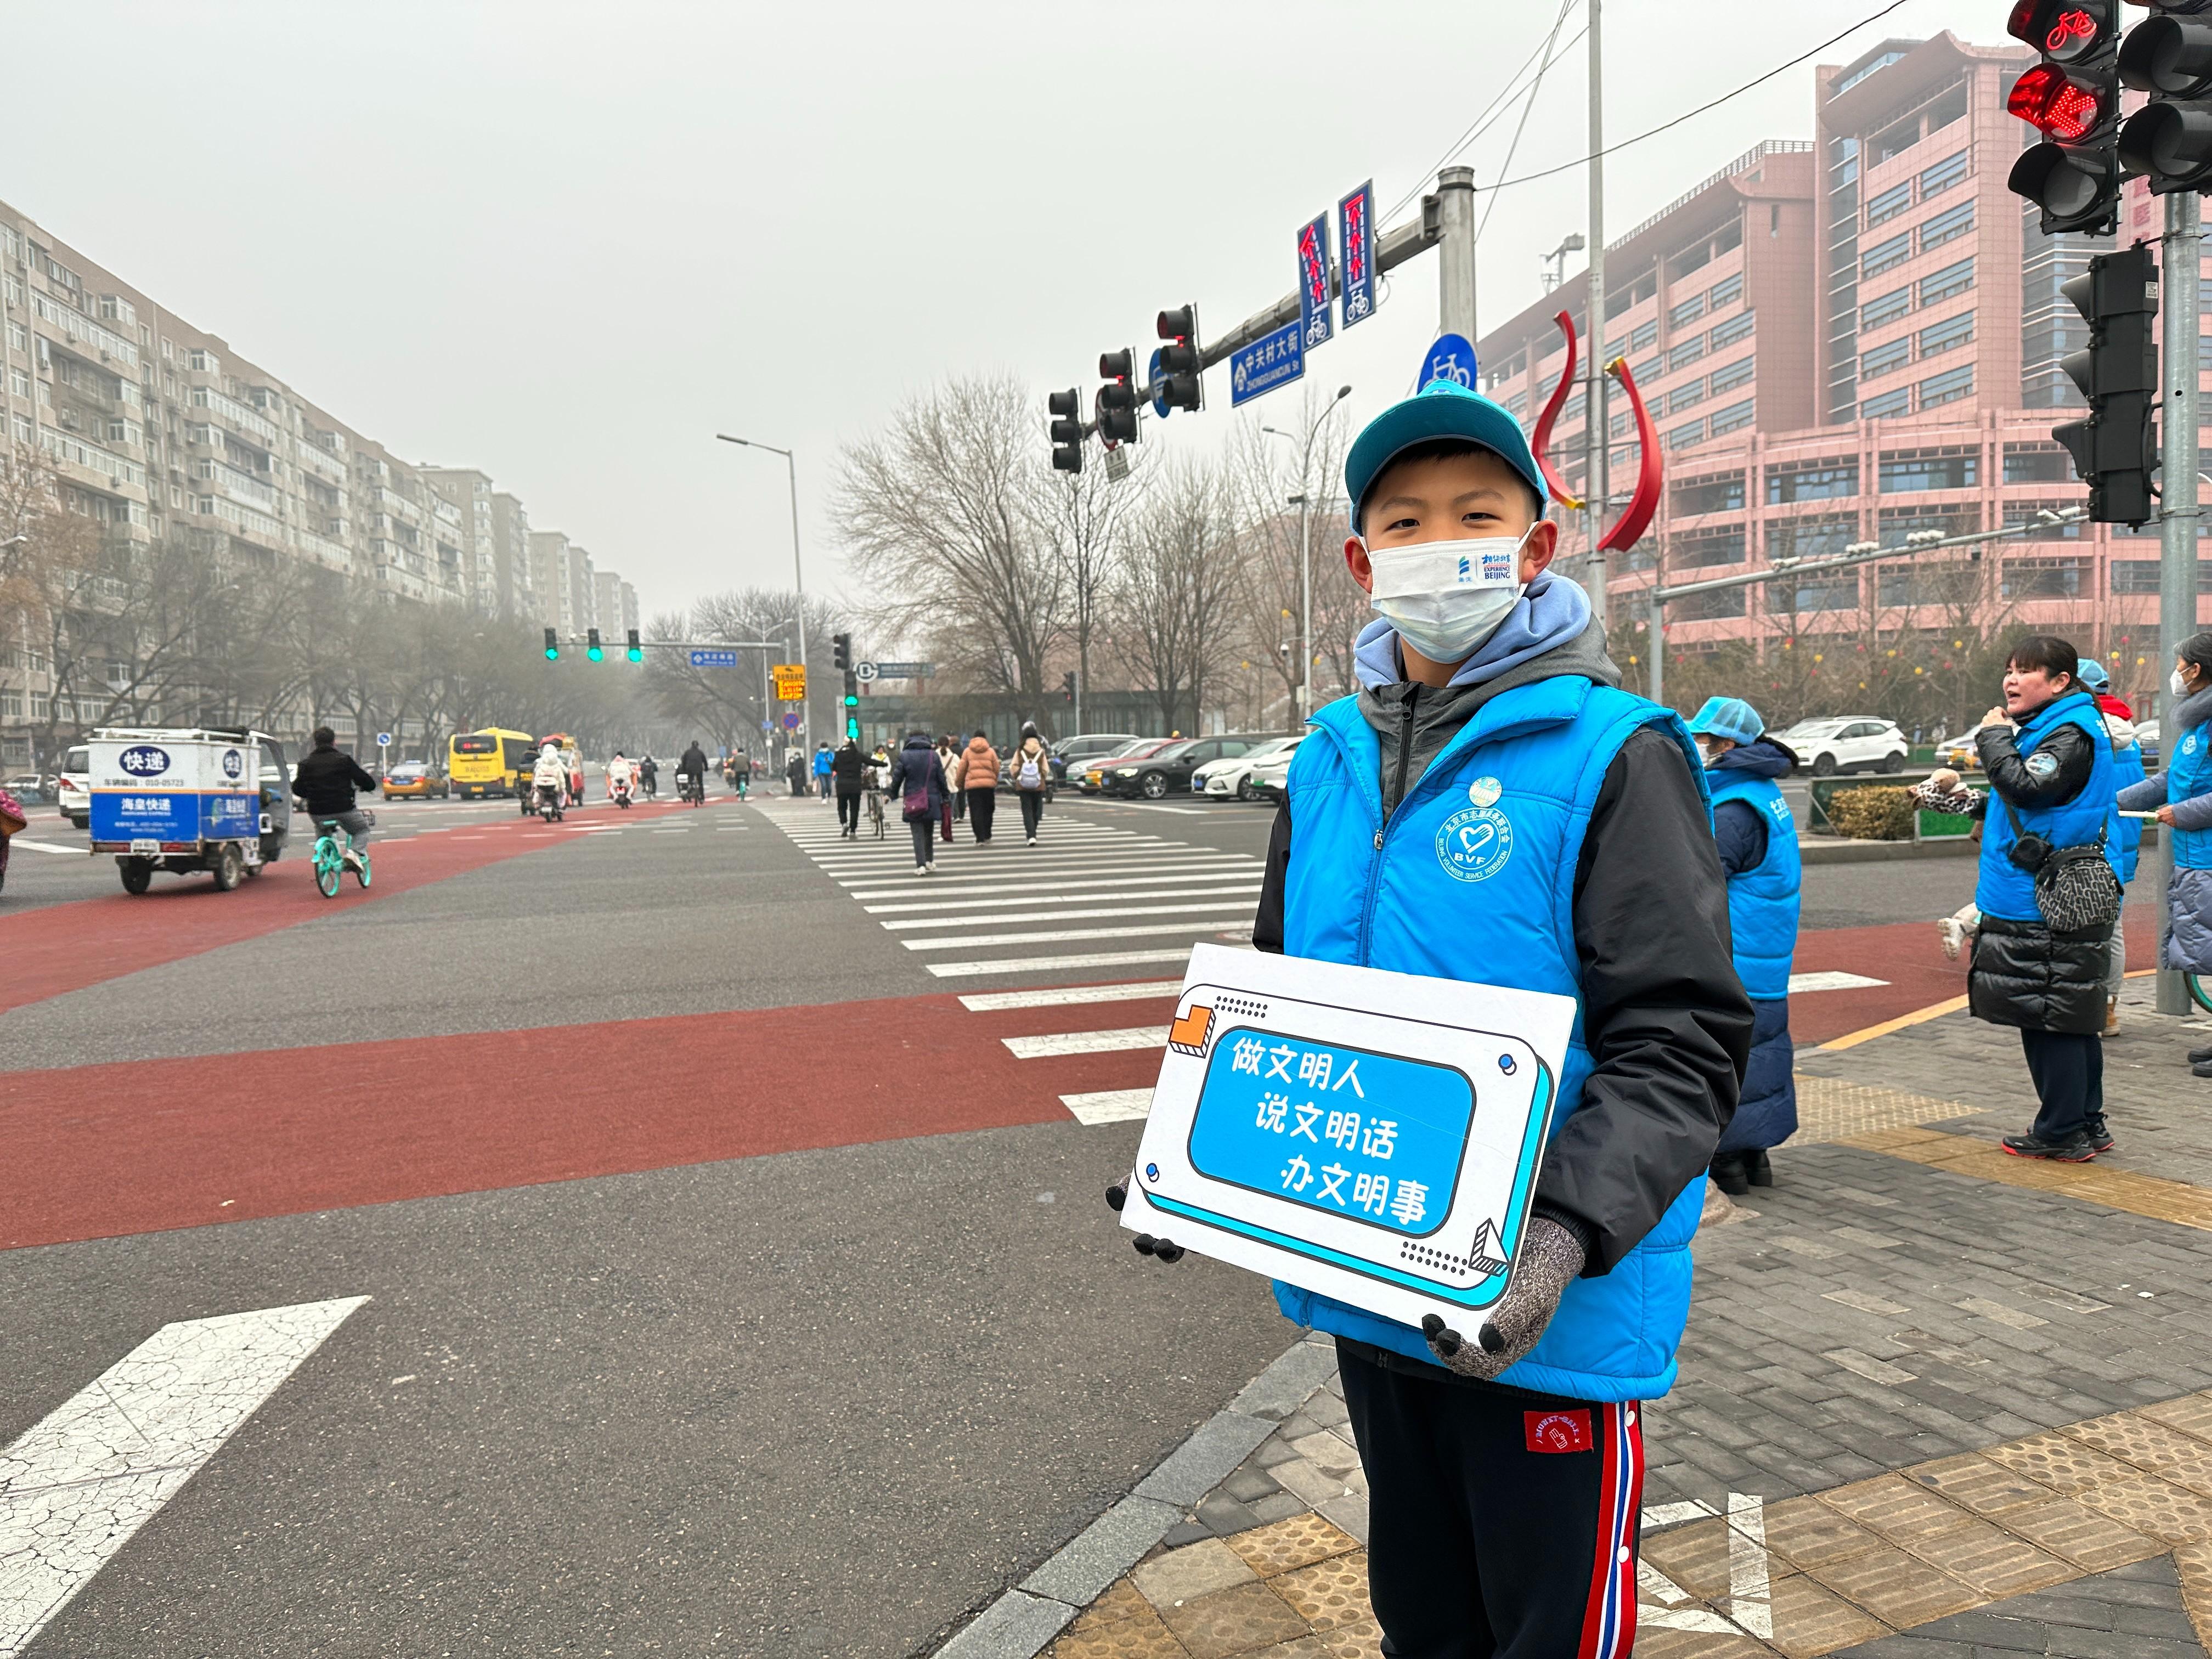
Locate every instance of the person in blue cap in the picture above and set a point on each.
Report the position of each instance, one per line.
(1492, 807)
(1758, 854)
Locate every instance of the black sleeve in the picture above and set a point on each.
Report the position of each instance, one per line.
(1268, 924)
(2073, 750)
(1666, 1019)
(361, 779)
(1741, 829)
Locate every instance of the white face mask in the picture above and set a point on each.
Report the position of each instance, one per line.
(1447, 597)
(2178, 685)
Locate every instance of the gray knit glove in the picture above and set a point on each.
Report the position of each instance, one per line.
(1549, 1258)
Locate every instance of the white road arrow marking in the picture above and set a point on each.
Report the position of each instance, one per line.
(76, 1487)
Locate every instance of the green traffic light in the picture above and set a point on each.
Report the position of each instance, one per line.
(635, 654)
(552, 653)
(852, 702)
(596, 654)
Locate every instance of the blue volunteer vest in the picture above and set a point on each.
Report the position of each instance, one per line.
(2190, 775)
(2123, 845)
(1763, 899)
(2005, 890)
(1473, 878)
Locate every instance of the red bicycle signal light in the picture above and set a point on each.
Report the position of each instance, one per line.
(2056, 105)
(2063, 30)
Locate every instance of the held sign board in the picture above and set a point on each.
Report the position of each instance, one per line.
(1271, 361)
(1386, 1159)
(790, 681)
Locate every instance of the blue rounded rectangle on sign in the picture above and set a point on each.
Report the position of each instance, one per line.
(1344, 1131)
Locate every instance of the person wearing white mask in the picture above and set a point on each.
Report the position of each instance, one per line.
(1491, 807)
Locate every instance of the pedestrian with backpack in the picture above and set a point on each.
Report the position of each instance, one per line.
(1032, 770)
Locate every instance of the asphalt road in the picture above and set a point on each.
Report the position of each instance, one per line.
(728, 1208)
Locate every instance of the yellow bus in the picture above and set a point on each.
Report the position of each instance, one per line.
(486, 762)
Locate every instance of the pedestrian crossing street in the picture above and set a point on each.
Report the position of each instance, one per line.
(1087, 895)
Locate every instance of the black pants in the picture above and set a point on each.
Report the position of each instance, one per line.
(848, 811)
(2069, 1071)
(1482, 1546)
(982, 805)
(923, 829)
(1032, 810)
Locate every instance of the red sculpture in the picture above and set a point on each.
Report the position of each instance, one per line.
(1644, 504)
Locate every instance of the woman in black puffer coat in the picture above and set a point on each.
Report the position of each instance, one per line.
(2049, 758)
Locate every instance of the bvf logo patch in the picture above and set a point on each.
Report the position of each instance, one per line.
(1474, 843)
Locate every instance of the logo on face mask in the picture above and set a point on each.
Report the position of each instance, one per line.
(1474, 843)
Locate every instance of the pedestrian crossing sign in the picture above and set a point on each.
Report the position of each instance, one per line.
(1369, 1135)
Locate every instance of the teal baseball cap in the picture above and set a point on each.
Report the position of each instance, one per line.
(1442, 409)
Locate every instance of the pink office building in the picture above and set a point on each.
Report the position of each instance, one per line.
(1848, 341)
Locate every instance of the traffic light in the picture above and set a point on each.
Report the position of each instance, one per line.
(852, 717)
(2118, 374)
(1068, 686)
(841, 652)
(2073, 99)
(1181, 386)
(1066, 430)
(591, 646)
(635, 652)
(1117, 399)
(552, 645)
(2169, 56)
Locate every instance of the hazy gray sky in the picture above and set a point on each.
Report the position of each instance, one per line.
(567, 243)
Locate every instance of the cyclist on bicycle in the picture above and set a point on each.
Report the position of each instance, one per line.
(552, 772)
(693, 766)
(648, 776)
(325, 780)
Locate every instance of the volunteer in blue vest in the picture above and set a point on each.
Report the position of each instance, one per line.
(2123, 845)
(2182, 798)
(1491, 807)
(1759, 855)
(2050, 765)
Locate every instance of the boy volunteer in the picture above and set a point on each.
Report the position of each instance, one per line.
(1492, 807)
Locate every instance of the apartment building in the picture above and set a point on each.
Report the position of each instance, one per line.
(614, 602)
(1851, 340)
(161, 433)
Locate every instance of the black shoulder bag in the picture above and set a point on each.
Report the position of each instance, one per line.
(2074, 887)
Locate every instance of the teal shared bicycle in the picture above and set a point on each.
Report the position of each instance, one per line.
(332, 855)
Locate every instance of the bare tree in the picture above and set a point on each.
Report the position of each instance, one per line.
(1175, 588)
(1083, 517)
(941, 518)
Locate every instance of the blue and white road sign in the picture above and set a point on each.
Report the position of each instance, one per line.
(714, 659)
(1160, 407)
(1271, 361)
(1451, 358)
(1313, 280)
(1355, 243)
(383, 741)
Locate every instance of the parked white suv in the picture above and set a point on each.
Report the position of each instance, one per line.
(1849, 743)
(73, 790)
(1233, 774)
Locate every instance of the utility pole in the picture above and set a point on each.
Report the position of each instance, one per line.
(1455, 272)
(1597, 435)
(2178, 509)
(798, 572)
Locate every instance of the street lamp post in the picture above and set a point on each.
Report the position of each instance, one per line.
(1305, 550)
(798, 572)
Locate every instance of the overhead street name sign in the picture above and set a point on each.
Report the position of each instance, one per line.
(714, 659)
(905, 671)
(1271, 361)
(790, 681)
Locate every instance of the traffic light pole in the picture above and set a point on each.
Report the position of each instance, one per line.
(2178, 508)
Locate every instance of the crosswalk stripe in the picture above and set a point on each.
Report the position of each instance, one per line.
(1833, 980)
(1060, 996)
(1053, 965)
(1221, 864)
(1193, 925)
(1086, 1042)
(1210, 904)
(1225, 886)
(1109, 1106)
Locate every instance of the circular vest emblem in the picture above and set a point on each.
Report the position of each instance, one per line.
(1474, 843)
(2188, 744)
(1485, 792)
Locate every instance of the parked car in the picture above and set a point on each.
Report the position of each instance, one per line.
(1070, 754)
(1167, 771)
(1091, 778)
(32, 789)
(2147, 739)
(1270, 774)
(73, 789)
(1232, 775)
(1961, 753)
(1848, 742)
(417, 779)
